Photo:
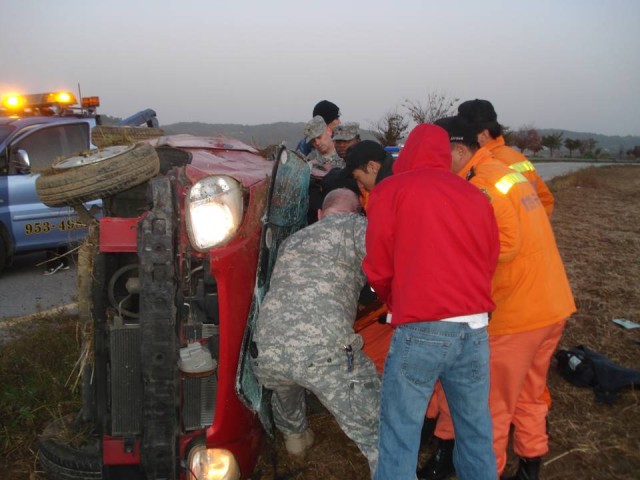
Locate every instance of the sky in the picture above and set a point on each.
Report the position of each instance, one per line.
(565, 64)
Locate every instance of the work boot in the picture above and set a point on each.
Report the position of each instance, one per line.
(297, 443)
(440, 465)
(528, 469)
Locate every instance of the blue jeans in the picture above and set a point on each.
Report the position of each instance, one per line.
(420, 354)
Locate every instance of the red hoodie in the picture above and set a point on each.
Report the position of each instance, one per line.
(432, 239)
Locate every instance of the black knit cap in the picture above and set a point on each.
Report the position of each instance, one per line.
(327, 110)
(477, 111)
(360, 154)
(459, 130)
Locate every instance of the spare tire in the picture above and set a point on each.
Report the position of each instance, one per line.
(61, 460)
(97, 174)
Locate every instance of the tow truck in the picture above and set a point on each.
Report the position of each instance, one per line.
(35, 130)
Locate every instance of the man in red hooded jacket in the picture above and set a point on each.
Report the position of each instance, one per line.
(432, 247)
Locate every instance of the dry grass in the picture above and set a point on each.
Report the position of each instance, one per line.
(34, 368)
(106, 136)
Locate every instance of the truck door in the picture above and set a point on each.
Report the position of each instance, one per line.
(286, 214)
(33, 225)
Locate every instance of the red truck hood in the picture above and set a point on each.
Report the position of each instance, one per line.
(219, 156)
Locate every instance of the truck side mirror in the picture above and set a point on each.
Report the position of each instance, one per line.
(21, 161)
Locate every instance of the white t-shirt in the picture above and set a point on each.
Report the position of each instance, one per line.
(477, 320)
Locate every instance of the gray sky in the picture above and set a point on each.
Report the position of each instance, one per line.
(568, 64)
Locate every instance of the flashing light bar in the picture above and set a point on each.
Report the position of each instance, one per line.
(19, 102)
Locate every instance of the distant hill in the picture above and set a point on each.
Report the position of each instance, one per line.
(612, 143)
(256, 135)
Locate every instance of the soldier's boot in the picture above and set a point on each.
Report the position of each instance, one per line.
(440, 465)
(528, 469)
(298, 443)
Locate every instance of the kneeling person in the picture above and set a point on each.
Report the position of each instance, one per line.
(304, 335)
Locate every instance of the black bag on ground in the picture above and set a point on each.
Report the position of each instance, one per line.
(585, 368)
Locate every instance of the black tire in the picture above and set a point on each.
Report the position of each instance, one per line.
(62, 461)
(100, 177)
(3, 253)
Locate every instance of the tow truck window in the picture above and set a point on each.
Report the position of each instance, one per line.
(47, 144)
(4, 132)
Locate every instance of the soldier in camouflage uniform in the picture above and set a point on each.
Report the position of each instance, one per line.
(324, 157)
(345, 135)
(304, 334)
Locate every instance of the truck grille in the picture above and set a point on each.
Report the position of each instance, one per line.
(199, 402)
(125, 380)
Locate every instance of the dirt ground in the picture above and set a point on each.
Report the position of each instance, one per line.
(597, 226)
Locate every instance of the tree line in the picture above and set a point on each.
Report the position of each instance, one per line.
(393, 126)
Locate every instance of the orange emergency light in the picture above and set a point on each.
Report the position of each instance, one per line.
(90, 102)
(66, 98)
(14, 102)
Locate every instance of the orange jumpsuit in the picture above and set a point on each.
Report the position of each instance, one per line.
(533, 299)
(518, 162)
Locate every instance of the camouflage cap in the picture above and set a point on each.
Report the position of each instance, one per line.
(314, 128)
(346, 131)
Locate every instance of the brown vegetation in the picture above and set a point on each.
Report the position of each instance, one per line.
(107, 135)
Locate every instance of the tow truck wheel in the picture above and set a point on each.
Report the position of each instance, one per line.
(62, 455)
(97, 174)
(3, 253)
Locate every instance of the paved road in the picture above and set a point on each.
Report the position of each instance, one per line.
(549, 170)
(24, 290)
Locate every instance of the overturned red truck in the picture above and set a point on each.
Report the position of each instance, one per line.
(170, 280)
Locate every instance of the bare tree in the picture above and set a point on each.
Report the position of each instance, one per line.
(390, 128)
(437, 105)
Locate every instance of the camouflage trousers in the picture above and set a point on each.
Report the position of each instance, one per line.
(352, 397)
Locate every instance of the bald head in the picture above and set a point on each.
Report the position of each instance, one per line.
(340, 200)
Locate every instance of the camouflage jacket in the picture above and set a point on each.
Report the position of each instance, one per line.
(324, 163)
(316, 281)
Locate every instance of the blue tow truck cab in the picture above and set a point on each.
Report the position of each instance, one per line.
(35, 130)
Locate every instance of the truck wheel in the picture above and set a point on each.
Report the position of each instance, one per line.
(3, 253)
(97, 174)
(61, 460)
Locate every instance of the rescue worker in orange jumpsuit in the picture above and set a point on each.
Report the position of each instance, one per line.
(533, 300)
(484, 121)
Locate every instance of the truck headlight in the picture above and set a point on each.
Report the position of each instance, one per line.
(212, 464)
(214, 211)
